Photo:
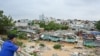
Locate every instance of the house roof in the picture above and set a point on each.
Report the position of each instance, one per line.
(97, 42)
(95, 32)
(29, 31)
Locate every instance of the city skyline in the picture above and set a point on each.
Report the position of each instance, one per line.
(59, 9)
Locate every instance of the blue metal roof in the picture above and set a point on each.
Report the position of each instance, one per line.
(95, 32)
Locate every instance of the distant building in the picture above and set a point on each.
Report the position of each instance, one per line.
(46, 19)
(81, 24)
(61, 21)
(22, 23)
(58, 21)
(42, 17)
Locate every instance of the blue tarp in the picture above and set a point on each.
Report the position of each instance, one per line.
(91, 32)
(95, 32)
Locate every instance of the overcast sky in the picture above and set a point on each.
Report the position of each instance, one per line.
(63, 9)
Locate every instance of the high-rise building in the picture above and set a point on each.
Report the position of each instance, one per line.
(42, 17)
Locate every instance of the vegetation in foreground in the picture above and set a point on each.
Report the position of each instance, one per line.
(57, 46)
(42, 45)
(6, 23)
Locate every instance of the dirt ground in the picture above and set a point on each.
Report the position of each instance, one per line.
(67, 48)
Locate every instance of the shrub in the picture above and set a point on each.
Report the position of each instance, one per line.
(37, 41)
(42, 45)
(57, 46)
(90, 46)
(24, 45)
(34, 54)
(19, 43)
(12, 31)
(22, 35)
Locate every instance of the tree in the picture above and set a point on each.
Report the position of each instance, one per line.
(6, 22)
(42, 24)
(64, 27)
(53, 26)
(97, 25)
(22, 35)
(12, 32)
(1, 13)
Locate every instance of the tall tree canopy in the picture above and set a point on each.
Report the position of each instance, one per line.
(52, 26)
(6, 22)
(98, 25)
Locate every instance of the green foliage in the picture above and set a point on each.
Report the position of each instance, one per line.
(22, 35)
(90, 55)
(64, 27)
(32, 23)
(97, 25)
(42, 24)
(34, 54)
(19, 43)
(90, 46)
(6, 23)
(12, 31)
(42, 45)
(37, 41)
(1, 13)
(23, 45)
(57, 46)
(52, 26)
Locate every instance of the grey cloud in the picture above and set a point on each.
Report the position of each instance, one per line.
(82, 9)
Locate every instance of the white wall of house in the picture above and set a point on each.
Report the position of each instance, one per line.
(59, 22)
(81, 25)
(23, 24)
